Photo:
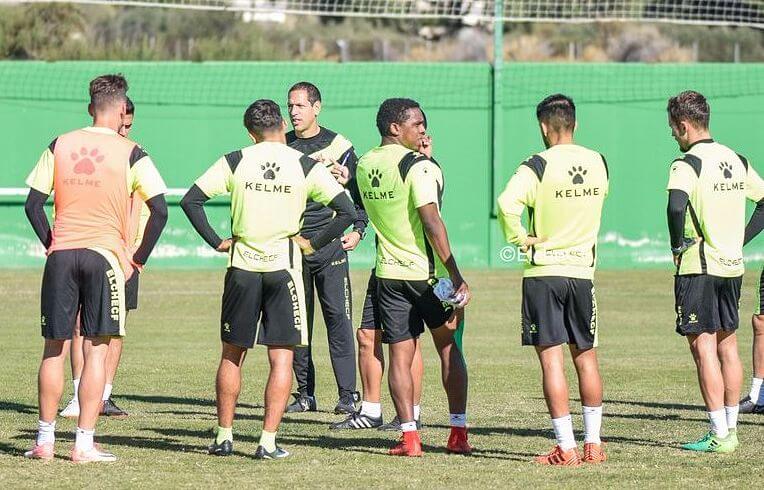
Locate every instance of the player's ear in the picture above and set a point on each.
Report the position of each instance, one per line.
(91, 110)
(395, 129)
(283, 125)
(575, 126)
(317, 107)
(544, 129)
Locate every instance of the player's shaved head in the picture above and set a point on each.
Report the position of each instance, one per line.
(689, 106)
(314, 95)
(263, 116)
(558, 113)
(394, 111)
(107, 91)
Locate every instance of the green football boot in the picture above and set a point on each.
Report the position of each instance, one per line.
(711, 443)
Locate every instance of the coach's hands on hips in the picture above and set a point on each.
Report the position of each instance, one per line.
(225, 245)
(304, 244)
(461, 290)
(686, 243)
(531, 241)
(350, 241)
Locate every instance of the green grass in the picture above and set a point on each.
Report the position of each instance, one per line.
(166, 382)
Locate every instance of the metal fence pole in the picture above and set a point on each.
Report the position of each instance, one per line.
(497, 127)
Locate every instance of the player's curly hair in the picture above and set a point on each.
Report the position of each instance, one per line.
(393, 111)
(690, 106)
(262, 116)
(107, 90)
(558, 112)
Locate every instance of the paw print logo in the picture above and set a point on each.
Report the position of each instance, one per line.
(578, 174)
(375, 175)
(84, 160)
(726, 169)
(269, 171)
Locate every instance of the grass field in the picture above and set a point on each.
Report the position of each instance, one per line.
(166, 382)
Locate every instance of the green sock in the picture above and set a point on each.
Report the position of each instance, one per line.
(268, 440)
(459, 336)
(224, 434)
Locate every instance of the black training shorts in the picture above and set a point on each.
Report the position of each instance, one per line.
(706, 304)
(131, 291)
(406, 306)
(87, 281)
(274, 299)
(559, 310)
(370, 315)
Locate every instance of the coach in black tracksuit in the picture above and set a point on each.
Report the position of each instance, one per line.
(326, 271)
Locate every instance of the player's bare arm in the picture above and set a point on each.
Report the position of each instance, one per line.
(437, 235)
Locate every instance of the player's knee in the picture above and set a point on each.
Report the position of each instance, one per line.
(365, 338)
(758, 324)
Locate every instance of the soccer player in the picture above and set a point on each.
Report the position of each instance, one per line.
(708, 187)
(138, 218)
(326, 271)
(269, 184)
(563, 188)
(371, 357)
(92, 172)
(402, 192)
(754, 401)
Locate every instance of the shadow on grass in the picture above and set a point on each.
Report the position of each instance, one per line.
(178, 400)
(6, 406)
(10, 450)
(242, 416)
(661, 405)
(370, 445)
(161, 444)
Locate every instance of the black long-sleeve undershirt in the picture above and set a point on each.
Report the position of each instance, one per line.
(157, 220)
(344, 217)
(193, 205)
(755, 224)
(34, 207)
(362, 219)
(676, 212)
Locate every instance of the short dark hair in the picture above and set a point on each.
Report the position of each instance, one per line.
(558, 112)
(690, 106)
(314, 95)
(262, 116)
(393, 111)
(129, 106)
(107, 89)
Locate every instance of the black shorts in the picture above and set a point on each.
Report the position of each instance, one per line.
(275, 299)
(86, 281)
(131, 292)
(559, 310)
(370, 315)
(406, 306)
(706, 304)
(760, 295)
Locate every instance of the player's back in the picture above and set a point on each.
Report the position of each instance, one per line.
(91, 184)
(716, 181)
(269, 188)
(385, 176)
(566, 209)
